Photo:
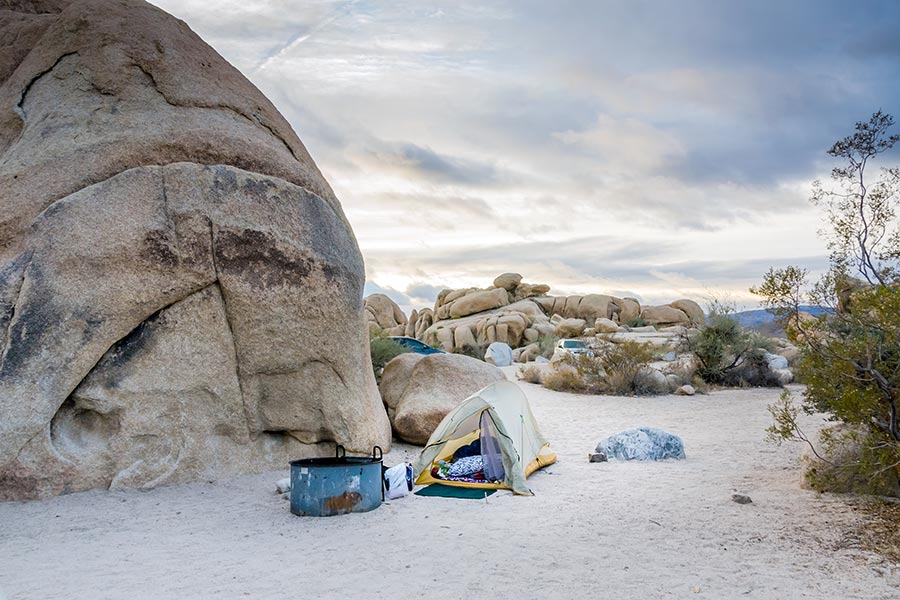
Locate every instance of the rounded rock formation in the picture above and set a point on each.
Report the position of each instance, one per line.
(419, 390)
(187, 302)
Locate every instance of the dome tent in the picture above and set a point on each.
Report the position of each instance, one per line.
(511, 447)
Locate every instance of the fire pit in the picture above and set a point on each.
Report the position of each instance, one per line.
(323, 487)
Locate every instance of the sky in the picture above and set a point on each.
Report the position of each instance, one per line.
(657, 150)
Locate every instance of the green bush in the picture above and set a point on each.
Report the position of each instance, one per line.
(728, 355)
(383, 350)
(621, 364)
(476, 351)
(612, 369)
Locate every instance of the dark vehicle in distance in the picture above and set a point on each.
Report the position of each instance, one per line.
(415, 345)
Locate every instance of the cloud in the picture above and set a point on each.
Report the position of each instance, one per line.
(648, 147)
(627, 145)
(411, 160)
(424, 292)
(373, 288)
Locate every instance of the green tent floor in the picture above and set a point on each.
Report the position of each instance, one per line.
(452, 491)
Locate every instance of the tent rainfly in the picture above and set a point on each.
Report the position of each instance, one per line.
(511, 444)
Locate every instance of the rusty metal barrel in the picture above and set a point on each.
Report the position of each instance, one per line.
(323, 487)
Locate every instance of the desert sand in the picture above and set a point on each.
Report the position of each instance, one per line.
(603, 530)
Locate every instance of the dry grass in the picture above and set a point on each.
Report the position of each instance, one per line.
(880, 532)
(531, 374)
(563, 379)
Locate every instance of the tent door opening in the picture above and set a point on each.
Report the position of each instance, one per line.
(491, 455)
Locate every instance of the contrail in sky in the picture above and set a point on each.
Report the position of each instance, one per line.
(300, 38)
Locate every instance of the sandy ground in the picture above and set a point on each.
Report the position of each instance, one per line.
(606, 530)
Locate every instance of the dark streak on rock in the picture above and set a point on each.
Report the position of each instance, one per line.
(250, 418)
(253, 119)
(255, 257)
(137, 341)
(158, 250)
(130, 346)
(12, 275)
(25, 334)
(19, 105)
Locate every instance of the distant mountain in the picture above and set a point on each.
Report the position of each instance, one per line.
(752, 318)
(763, 321)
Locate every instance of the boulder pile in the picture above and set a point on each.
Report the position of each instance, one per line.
(518, 314)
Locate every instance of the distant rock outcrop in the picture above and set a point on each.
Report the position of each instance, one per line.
(384, 314)
(180, 292)
(519, 314)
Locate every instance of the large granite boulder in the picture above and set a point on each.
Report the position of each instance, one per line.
(508, 281)
(570, 328)
(420, 390)
(664, 316)
(478, 301)
(180, 292)
(692, 310)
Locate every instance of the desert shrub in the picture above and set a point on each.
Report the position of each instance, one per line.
(563, 379)
(383, 350)
(547, 344)
(700, 386)
(762, 342)
(847, 464)
(613, 369)
(636, 322)
(476, 351)
(753, 371)
(622, 363)
(531, 373)
(726, 354)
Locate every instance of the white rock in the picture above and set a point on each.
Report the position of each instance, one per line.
(776, 361)
(498, 354)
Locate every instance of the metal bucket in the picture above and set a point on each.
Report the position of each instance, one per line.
(322, 487)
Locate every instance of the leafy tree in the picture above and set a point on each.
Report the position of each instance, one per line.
(851, 354)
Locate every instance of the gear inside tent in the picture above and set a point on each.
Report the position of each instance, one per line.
(491, 440)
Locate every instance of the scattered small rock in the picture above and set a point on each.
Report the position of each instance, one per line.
(597, 457)
(283, 485)
(741, 498)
